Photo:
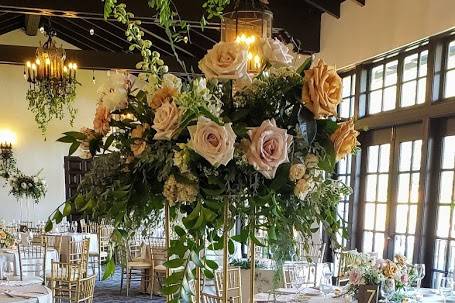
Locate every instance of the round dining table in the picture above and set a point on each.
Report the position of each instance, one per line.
(23, 292)
(11, 258)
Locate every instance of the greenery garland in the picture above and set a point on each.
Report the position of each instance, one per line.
(48, 100)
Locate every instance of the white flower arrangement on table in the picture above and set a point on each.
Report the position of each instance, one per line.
(27, 187)
(6, 239)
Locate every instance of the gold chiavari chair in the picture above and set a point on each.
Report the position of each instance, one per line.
(297, 274)
(135, 267)
(234, 284)
(65, 276)
(85, 289)
(101, 255)
(159, 256)
(210, 298)
(346, 260)
(32, 260)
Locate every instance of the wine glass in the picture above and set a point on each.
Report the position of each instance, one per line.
(327, 270)
(387, 289)
(445, 287)
(325, 285)
(420, 273)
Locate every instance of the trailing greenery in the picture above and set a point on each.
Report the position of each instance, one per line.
(49, 99)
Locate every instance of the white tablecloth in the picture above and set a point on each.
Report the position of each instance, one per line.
(11, 257)
(67, 237)
(22, 292)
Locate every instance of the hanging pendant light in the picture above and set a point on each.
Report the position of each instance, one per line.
(247, 23)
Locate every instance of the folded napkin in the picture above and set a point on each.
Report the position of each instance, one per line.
(41, 296)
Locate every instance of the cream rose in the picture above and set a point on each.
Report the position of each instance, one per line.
(102, 119)
(212, 141)
(226, 60)
(321, 91)
(302, 188)
(276, 52)
(114, 92)
(268, 148)
(344, 139)
(166, 121)
(138, 146)
(296, 172)
(311, 161)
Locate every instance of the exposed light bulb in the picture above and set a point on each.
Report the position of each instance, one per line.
(185, 39)
(92, 32)
(41, 29)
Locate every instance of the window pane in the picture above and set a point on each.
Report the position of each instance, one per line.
(414, 195)
(451, 61)
(450, 84)
(446, 187)
(375, 102)
(408, 94)
(405, 155)
(423, 63)
(345, 108)
(373, 153)
(381, 211)
(403, 188)
(443, 225)
(417, 155)
(440, 254)
(390, 97)
(410, 67)
(412, 219)
(346, 86)
(400, 245)
(410, 248)
(377, 77)
(369, 221)
(391, 71)
(379, 244)
(382, 187)
(371, 188)
(367, 241)
(401, 218)
(448, 158)
(384, 158)
(421, 90)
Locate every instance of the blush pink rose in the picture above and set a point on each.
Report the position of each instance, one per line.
(268, 148)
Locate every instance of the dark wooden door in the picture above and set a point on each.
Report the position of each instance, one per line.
(75, 169)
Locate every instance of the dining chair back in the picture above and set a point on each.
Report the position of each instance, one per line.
(211, 298)
(85, 290)
(234, 284)
(299, 273)
(346, 260)
(32, 260)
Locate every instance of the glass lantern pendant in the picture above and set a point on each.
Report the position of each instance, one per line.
(247, 23)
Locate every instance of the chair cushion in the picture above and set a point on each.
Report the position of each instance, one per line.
(139, 264)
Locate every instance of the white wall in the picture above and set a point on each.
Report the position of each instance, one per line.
(31, 151)
(380, 26)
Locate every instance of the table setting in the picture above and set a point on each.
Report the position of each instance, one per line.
(24, 292)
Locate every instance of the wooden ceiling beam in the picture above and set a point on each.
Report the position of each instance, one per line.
(328, 6)
(32, 23)
(86, 59)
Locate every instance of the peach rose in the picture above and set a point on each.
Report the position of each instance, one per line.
(212, 141)
(268, 148)
(321, 91)
(138, 146)
(389, 269)
(102, 119)
(297, 171)
(302, 188)
(344, 139)
(276, 52)
(162, 95)
(166, 121)
(226, 60)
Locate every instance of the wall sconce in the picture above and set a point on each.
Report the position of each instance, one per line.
(7, 139)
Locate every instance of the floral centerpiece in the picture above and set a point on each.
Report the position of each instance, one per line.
(27, 187)
(6, 239)
(214, 149)
(368, 271)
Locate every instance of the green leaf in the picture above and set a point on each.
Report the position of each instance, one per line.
(211, 264)
(208, 274)
(329, 126)
(89, 205)
(76, 135)
(48, 226)
(281, 177)
(209, 215)
(307, 125)
(196, 260)
(174, 263)
(79, 201)
(109, 269)
(170, 289)
(305, 66)
(231, 246)
(108, 142)
(66, 139)
(175, 278)
(67, 209)
(73, 148)
(58, 216)
(199, 222)
(179, 231)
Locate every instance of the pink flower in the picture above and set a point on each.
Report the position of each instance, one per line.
(102, 119)
(405, 278)
(355, 277)
(268, 148)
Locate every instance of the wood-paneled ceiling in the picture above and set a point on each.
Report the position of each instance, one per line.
(297, 21)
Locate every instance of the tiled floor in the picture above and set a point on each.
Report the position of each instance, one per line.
(109, 292)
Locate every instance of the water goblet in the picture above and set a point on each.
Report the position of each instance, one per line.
(388, 289)
(326, 286)
(445, 287)
(327, 270)
(420, 273)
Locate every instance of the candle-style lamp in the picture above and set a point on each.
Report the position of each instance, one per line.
(7, 139)
(247, 22)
